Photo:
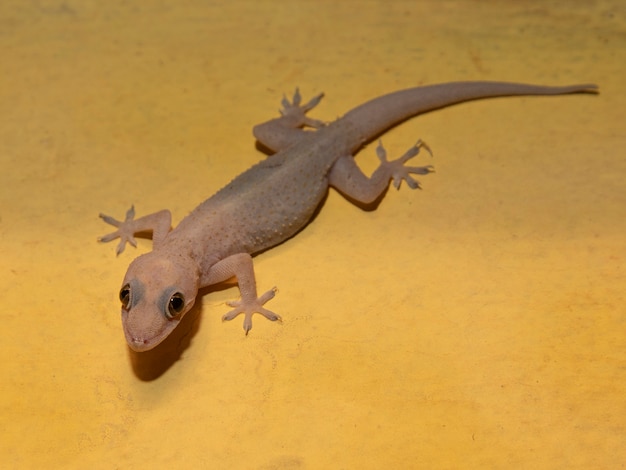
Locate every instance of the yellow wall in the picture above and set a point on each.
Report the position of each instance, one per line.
(479, 323)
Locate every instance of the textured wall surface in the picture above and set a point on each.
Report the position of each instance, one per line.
(480, 322)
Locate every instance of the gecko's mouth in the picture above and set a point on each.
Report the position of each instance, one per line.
(139, 342)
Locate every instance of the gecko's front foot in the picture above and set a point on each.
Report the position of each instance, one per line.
(125, 230)
(297, 113)
(398, 171)
(250, 307)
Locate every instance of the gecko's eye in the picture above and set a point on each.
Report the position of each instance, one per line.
(125, 296)
(175, 305)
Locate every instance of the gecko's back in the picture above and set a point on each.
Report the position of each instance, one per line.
(270, 201)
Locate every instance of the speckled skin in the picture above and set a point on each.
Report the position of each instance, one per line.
(271, 201)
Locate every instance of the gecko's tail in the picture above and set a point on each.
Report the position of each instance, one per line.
(379, 114)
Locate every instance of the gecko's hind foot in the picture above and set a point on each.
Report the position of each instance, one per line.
(297, 112)
(397, 169)
(249, 308)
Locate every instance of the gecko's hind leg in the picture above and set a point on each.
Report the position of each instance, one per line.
(294, 113)
(282, 132)
(397, 169)
(346, 176)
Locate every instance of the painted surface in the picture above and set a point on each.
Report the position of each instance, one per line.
(477, 323)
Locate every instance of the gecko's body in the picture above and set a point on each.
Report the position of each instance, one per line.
(271, 201)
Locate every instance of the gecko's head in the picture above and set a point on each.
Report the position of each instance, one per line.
(156, 293)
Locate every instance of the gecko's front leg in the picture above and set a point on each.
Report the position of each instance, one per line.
(240, 266)
(158, 223)
(250, 307)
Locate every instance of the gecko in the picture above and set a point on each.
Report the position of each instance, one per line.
(273, 200)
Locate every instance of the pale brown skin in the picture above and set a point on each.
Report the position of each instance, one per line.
(272, 201)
